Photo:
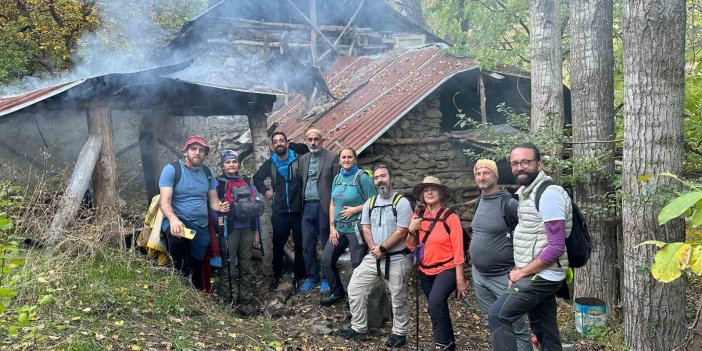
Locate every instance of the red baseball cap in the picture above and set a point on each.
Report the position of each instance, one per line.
(196, 139)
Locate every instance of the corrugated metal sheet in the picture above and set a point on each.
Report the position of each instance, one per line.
(9, 104)
(374, 93)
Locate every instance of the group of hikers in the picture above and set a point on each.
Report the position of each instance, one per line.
(517, 247)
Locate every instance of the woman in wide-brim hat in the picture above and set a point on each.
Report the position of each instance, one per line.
(437, 231)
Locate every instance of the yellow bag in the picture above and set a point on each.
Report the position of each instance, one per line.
(150, 235)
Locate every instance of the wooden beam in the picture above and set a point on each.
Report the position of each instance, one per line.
(148, 149)
(413, 141)
(75, 191)
(261, 151)
(483, 99)
(336, 42)
(314, 27)
(105, 172)
(313, 34)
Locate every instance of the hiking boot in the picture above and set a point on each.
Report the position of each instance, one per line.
(330, 299)
(307, 286)
(445, 347)
(350, 334)
(395, 341)
(324, 286)
(273, 286)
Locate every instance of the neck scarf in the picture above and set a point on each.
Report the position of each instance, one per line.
(350, 171)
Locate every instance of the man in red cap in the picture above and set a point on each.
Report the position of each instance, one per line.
(188, 192)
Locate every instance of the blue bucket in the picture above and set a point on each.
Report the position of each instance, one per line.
(589, 312)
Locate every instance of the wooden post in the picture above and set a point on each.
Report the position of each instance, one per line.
(261, 152)
(148, 148)
(105, 172)
(75, 191)
(483, 98)
(313, 33)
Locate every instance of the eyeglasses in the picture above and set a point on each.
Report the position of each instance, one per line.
(523, 163)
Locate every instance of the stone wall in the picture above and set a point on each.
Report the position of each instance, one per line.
(428, 154)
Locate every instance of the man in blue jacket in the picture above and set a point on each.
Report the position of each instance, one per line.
(286, 184)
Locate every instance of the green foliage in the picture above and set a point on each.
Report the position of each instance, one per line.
(11, 261)
(673, 258)
(494, 32)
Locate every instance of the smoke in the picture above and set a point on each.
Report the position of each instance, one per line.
(130, 37)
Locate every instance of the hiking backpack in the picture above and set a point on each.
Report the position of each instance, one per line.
(578, 243)
(179, 172)
(245, 206)
(510, 219)
(356, 181)
(395, 200)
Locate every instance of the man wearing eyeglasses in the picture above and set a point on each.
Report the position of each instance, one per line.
(187, 194)
(540, 256)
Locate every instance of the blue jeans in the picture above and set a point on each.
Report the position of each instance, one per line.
(315, 227)
(535, 296)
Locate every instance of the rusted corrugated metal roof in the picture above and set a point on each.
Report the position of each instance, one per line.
(373, 94)
(9, 104)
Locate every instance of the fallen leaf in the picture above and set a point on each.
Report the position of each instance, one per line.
(99, 336)
(87, 309)
(136, 348)
(119, 323)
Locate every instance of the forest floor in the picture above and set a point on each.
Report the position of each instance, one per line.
(101, 299)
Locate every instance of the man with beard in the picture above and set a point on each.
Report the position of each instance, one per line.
(491, 245)
(187, 194)
(385, 220)
(318, 168)
(283, 170)
(540, 256)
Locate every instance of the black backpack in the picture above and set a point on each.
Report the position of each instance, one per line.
(178, 172)
(510, 219)
(578, 243)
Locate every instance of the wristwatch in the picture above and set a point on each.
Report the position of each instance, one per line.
(382, 249)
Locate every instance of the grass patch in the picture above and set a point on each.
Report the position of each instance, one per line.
(110, 300)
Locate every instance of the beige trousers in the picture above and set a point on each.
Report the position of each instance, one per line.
(362, 281)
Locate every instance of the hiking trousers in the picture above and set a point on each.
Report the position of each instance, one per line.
(533, 295)
(362, 281)
(283, 224)
(487, 290)
(240, 244)
(437, 288)
(315, 228)
(331, 254)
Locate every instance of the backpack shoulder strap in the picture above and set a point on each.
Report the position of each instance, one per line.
(395, 200)
(540, 191)
(448, 212)
(509, 218)
(475, 205)
(221, 187)
(178, 172)
(208, 173)
(357, 183)
(433, 223)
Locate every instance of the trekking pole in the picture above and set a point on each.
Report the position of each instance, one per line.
(416, 300)
(223, 232)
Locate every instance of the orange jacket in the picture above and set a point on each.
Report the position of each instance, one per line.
(441, 247)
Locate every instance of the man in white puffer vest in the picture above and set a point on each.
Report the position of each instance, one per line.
(540, 256)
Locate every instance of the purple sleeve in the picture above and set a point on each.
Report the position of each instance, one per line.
(555, 234)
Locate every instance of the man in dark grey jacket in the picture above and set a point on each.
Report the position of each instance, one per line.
(317, 168)
(491, 251)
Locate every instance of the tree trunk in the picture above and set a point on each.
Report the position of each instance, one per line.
(592, 98)
(654, 44)
(261, 152)
(546, 65)
(75, 191)
(105, 173)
